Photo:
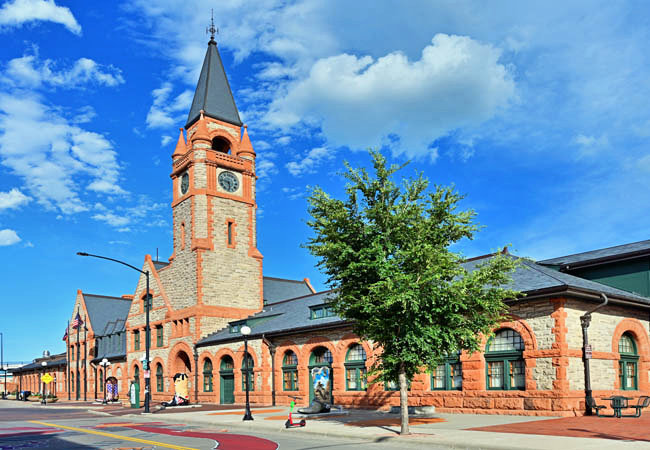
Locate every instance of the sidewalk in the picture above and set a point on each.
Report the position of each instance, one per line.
(441, 430)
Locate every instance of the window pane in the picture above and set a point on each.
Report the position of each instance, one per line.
(356, 353)
(630, 375)
(290, 359)
(363, 378)
(506, 340)
(323, 356)
(456, 375)
(439, 377)
(495, 374)
(626, 345)
(517, 374)
(351, 377)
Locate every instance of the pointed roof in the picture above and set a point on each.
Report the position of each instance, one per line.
(213, 94)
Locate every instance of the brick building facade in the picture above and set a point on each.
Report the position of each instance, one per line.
(213, 284)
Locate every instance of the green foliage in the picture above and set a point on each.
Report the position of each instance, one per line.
(385, 250)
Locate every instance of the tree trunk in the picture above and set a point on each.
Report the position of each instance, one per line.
(403, 401)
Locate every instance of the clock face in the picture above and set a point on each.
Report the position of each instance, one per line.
(185, 183)
(228, 181)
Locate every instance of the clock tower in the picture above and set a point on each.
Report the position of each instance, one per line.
(217, 269)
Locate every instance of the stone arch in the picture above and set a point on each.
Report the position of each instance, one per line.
(224, 138)
(239, 358)
(282, 349)
(347, 341)
(311, 344)
(523, 328)
(637, 330)
(180, 359)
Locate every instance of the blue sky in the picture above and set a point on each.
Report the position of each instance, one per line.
(537, 112)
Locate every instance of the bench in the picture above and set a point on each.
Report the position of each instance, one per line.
(618, 404)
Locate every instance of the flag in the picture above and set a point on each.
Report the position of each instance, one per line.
(77, 322)
(65, 336)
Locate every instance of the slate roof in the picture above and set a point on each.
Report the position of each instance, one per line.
(633, 249)
(55, 361)
(213, 94)
(293, 315)
(533, 278)
(278, 289)
(285, 316)
(103, 310)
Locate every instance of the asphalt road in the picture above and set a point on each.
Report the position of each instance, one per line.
(32, 426)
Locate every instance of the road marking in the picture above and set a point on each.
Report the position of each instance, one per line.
(116, 436)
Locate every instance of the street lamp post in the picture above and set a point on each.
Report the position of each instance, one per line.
(104, 363)
(147, 306)
(245, 331)
(44, 399)
(2, 364)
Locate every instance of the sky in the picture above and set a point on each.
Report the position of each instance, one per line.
(536, 111)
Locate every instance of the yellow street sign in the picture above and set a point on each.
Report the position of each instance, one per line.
(47, 378)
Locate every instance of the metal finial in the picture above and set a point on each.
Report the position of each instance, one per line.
(211, 29)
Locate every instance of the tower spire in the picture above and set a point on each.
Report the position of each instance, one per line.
(213, 94)
(211, 29)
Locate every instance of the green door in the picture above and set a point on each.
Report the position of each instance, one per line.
(227, 388)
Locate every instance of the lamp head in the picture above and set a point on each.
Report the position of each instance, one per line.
(44, 363)
(82, 253)
(245, 330)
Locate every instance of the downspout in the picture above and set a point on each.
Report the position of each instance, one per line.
(585, 319)
(272, 349)
(196, 375)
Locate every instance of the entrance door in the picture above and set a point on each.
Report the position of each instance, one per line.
(227, 388)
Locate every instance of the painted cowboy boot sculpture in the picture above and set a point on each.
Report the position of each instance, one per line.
(181, 396)
(322, 399)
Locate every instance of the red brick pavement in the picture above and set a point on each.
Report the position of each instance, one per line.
(637, 429)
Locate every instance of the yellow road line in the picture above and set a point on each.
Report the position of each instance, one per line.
(116, 436)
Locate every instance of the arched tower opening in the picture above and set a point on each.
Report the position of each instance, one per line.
(221, 145)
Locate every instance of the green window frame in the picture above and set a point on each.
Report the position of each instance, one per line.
(207, 375)
(356, 373)
(394, 385)
(321, 312)
(236, 326)
(136, 340)
(71, 381)
(290, 371)
(448, 376)
(159, 336)
(628, 373)
(136, 374)
(251, 377)
(505, 369)
(160, 380)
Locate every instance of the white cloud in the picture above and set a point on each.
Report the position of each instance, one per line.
(293, 193)
(165, 140)
(8, 237)
(143, 212)
(165, 113)
(55, 159)
(29, 71)
(19, 12)
(590, 145)
(310, 162)
(362, 102)
(13, 199)
(112, 219)
(84, 115)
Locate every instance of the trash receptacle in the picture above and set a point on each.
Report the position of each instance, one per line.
(134, 395)
(25, 395)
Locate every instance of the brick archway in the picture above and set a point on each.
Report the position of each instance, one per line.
(180, 360)
(637, 330)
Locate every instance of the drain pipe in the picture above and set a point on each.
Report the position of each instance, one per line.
(272, 349)
(585, 319)
(196, 376)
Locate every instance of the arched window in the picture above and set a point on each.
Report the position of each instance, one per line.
(136, 374)
(247, 362)
(71, 381)
(505, 363)
(355, 369)
(160, 380)
(448, 375)
(221, 145)
(227, 364)
(290, 371)
(207, 375)
(627, 365)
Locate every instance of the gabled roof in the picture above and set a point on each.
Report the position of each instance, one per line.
(213, 94)
(102, 310)
(609, 254)
(278, 289)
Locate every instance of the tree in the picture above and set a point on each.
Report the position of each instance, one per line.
(385, 251)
